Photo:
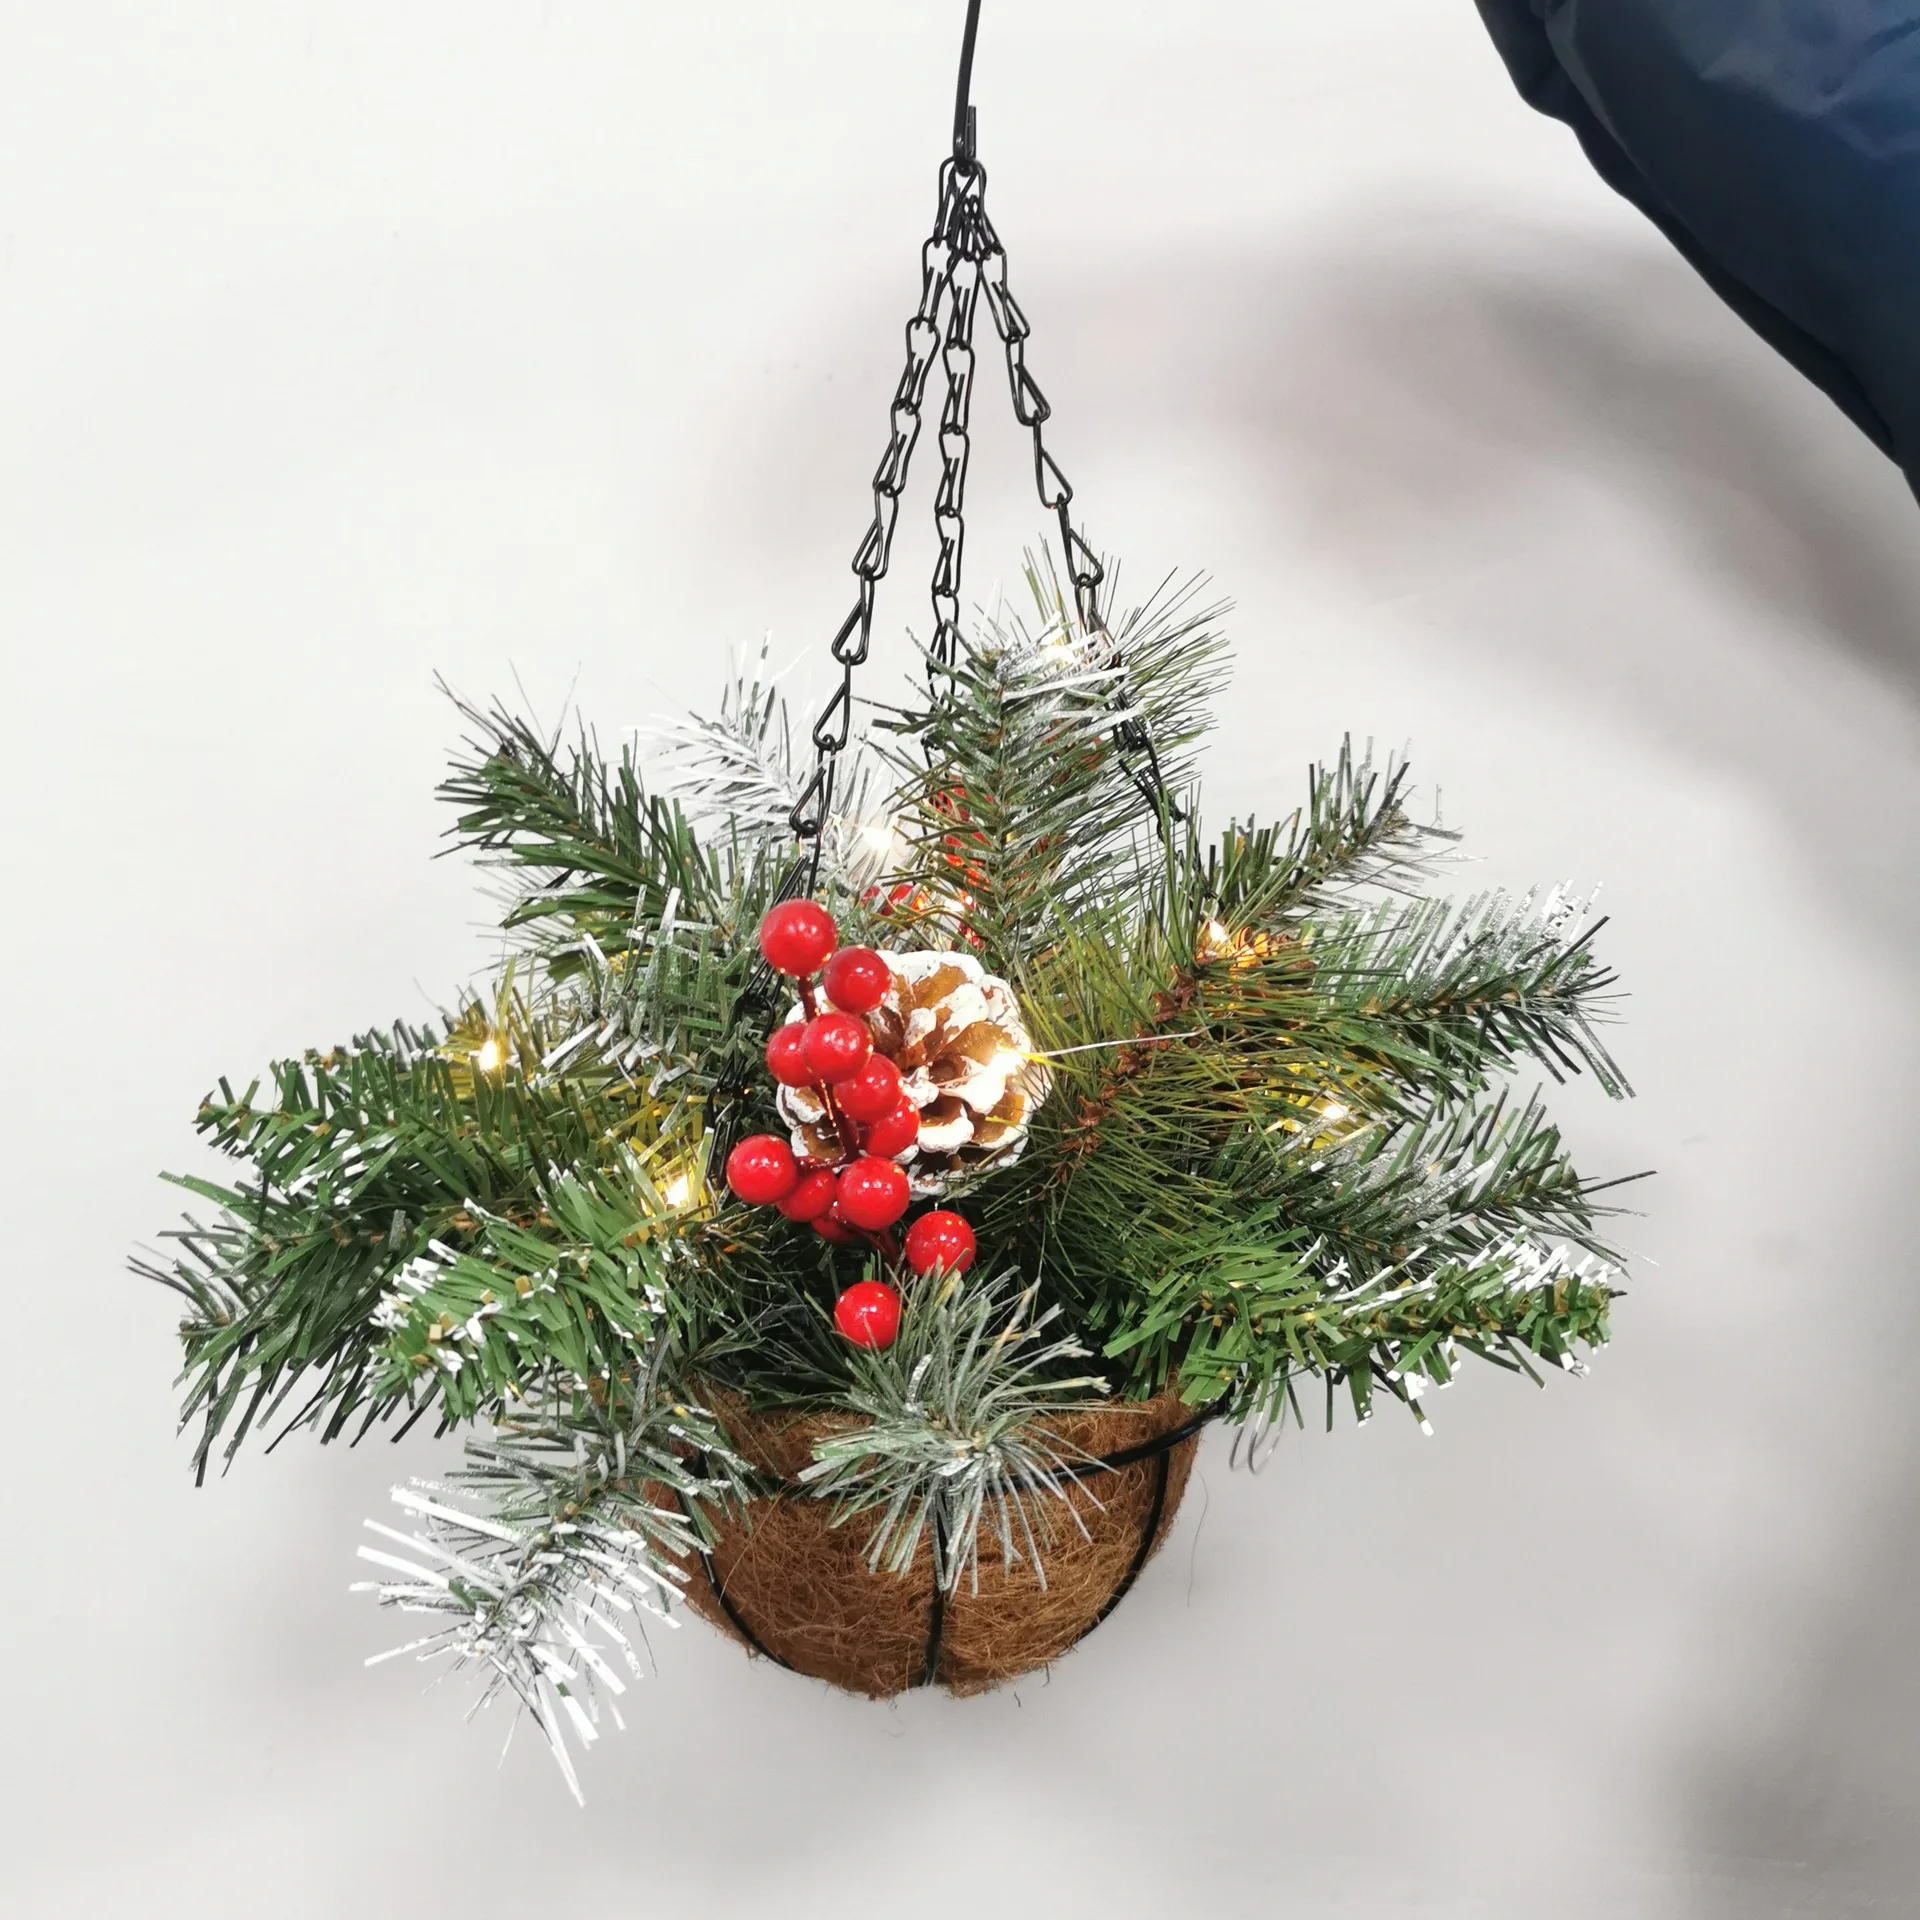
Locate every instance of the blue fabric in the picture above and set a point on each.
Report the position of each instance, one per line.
(1777, 143)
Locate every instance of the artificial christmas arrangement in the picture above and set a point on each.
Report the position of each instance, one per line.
(877, 1160)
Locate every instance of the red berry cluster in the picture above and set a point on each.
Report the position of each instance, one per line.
(862, 1196)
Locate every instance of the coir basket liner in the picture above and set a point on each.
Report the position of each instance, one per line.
(786, 1582)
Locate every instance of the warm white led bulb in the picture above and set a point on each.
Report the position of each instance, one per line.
(488, 1058)
(1215, 942)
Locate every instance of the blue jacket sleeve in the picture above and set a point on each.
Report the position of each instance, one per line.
(1777, 144)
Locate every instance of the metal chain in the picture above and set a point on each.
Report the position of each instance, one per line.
(962, 260)
(1032, 409)
(949, 500)
(851, 644)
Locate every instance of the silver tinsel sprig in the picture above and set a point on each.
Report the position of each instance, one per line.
(543, 1560)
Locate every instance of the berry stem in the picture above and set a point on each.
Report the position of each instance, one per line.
(849, 1138)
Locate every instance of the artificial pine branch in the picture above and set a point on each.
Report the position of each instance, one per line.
(559, 1535)
(737, 774)
(564, 1297)
(399, 1169)
(1016, 812)
(1442, 997)
(594, 851)
(1450, 1185)
(955, 1441)
(1354, 834)
(737, 768)
(1241, 1323)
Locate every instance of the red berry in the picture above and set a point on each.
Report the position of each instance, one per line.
(857, 979)
(762, 1170)
(892, 1136)
(811, 1198)
(873, 1092)
(830, 1226)
(783, 1055)
(797, 936)
(940, 1241)
(868, 1314)
(873, 1194)
(836, 1046)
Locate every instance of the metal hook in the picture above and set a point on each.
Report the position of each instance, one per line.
(964, 125)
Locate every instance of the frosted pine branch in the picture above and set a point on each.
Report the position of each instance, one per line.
(742, 769)
(542, 1566)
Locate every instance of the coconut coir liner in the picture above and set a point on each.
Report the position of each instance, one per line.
(802, 1588)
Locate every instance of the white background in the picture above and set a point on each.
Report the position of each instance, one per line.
(341, 345)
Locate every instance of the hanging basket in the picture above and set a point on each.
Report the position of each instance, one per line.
(1229, 1113)
(789, 1584)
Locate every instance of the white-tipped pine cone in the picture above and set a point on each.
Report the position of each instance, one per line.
(956, 1034)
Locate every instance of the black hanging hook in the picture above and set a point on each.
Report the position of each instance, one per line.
(963, 121)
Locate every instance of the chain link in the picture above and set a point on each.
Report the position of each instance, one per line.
(852, 642)
(960, 263)
(1031, 408)
(949, 500)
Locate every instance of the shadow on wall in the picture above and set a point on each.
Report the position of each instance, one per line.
(1428, 406)
(1451, 380)
(1816, 1804)
(1471, 418)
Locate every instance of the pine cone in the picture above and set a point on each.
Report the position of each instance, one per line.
(956, 1035)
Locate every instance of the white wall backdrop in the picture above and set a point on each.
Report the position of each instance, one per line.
(342, 344)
